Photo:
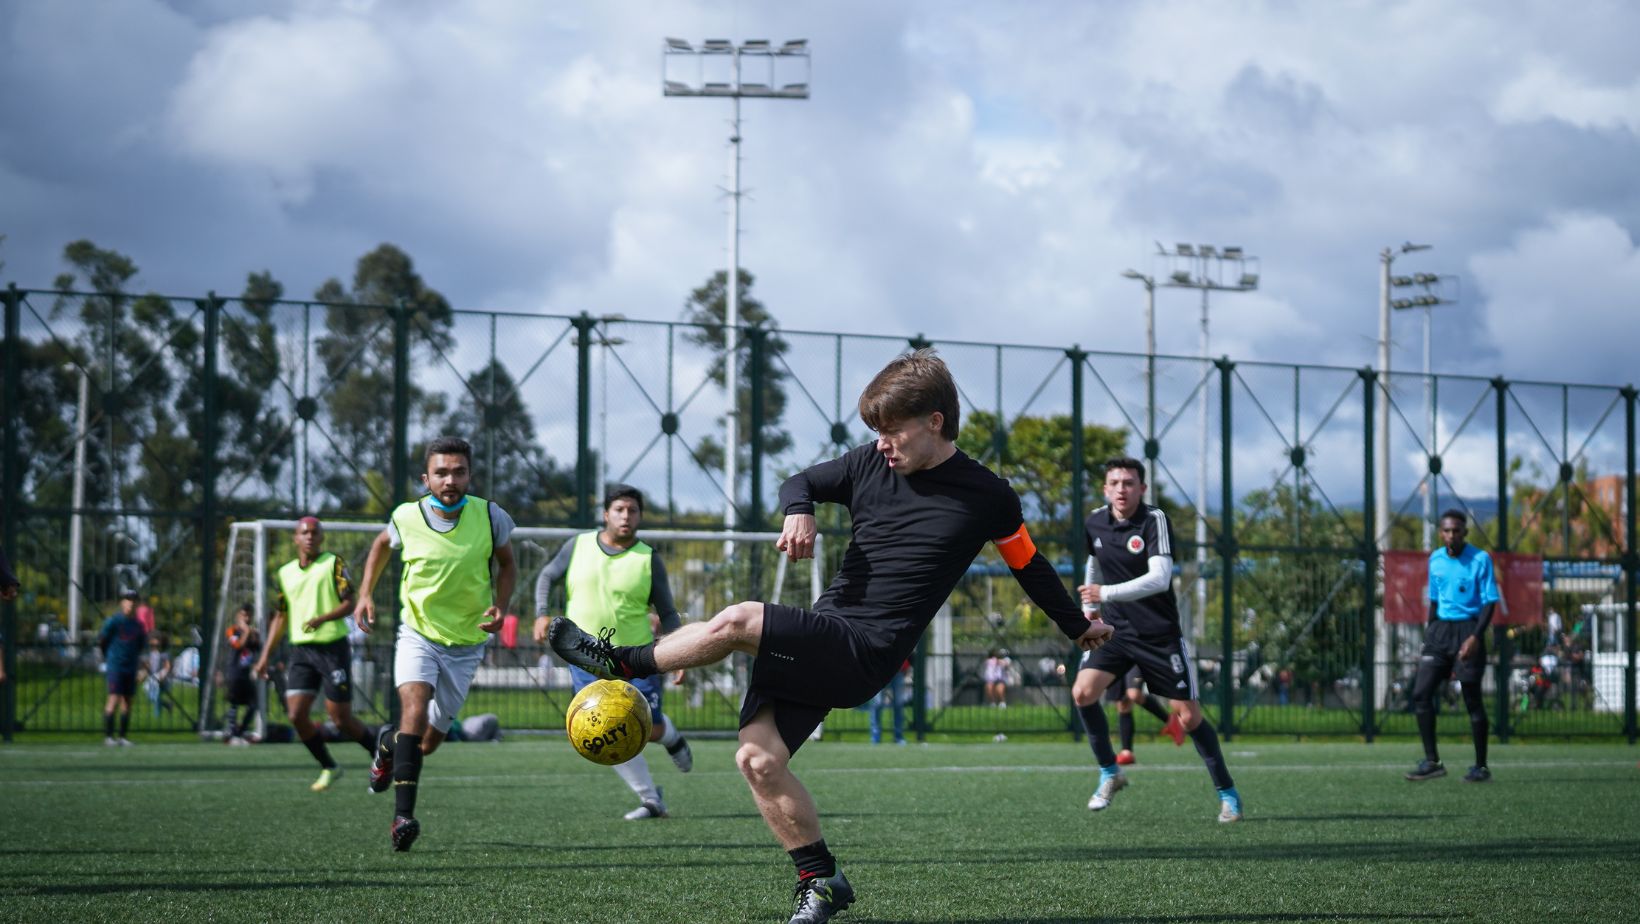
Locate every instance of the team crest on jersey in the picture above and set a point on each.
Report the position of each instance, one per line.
(1136, 544)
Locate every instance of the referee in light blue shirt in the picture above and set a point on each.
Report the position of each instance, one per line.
(1462, 595)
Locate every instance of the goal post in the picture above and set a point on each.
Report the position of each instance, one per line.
(706, 570)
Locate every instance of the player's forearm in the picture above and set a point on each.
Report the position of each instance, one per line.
(1154, 581)
(1485, 618)
(1041, 583)
(373, 564)
(826, 482)
(506, 578)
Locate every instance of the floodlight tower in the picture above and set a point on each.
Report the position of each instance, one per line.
(788, 61)
(1437, 290)
(1208, 268)
(1151, 449)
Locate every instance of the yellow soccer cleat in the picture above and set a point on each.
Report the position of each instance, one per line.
(326, 778)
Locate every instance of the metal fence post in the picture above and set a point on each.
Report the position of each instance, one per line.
(1499, 636)
(1631, 566)
(584, 485)
(9, 478)
(919, 692)
(758, 374)
(1074, 539)
(1369, 558)
(1227, 555)
(211, 306)
(399, 466)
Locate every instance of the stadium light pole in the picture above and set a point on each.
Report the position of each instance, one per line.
(1149, 283)
(1435, 293)
(1381, 513)
(1208, 268)
(76, 520)
(719, 53)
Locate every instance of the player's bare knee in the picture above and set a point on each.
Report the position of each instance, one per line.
(1085, 694)
(738, 624)
(757, 764)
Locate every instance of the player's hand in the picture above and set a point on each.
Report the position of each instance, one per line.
(260, 670)
(677, 678)
(1098, 633)
(1467, 649)
(364, 615)
(312, 624)
(797, 536)
(539, 633)
(1090, 592)
(492, 620)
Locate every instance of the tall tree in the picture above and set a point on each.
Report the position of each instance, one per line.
(357, 353)
(510, 466)
(706, 308)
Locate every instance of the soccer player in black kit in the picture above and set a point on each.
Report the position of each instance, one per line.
(921, 511)
(1132, 542)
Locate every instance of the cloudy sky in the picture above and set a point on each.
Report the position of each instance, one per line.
(970, 170)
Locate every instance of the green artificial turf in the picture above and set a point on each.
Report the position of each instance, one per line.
(527, 831)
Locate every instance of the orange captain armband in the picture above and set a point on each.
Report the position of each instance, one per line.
(1016, 549)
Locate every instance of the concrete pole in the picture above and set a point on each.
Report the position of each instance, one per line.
(76, 521)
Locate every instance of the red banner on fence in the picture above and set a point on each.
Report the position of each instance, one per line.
(1406, 587)
(1520, 581)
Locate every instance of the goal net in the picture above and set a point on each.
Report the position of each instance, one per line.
(706, 569)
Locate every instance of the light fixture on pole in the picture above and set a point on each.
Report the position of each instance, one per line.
(1208, 268)
(1381, 480)
(1436, 290)
(1151, 449)
(718, 75)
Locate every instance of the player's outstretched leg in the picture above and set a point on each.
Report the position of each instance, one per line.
(593, 654)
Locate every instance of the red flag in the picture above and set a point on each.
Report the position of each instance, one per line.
(1406, 587)
(1520, 583)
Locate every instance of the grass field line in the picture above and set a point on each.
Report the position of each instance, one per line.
(1088, 768)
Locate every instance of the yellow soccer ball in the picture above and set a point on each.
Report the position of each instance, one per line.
(608, 722)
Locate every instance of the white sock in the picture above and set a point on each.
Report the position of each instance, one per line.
(669, 733)
(636, 774)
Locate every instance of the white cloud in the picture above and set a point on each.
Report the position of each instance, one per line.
(1546, 91)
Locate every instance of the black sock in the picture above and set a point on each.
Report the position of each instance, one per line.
(639, 659)
(1479, 727)
(367, 738)
(814, 860)
(406, 773)
(125, 723)
(1426, 732)
(1154, 707)
(316, 747)
(1093, 719)
(108, 724)
(1124, 728)
(1207, 745)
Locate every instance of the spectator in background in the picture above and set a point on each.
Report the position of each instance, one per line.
(894, 697)
(145, 615)
(245, 648)
(121, 641)
(156, 672)
(995, 676)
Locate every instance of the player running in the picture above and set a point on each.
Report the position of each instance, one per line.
(1132, 693)
(1133, 543)
(1463, 592)
(921, 511)
(612, 579)
(314, 596)
(450, 605)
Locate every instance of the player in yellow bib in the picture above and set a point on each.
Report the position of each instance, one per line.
(612, 580)
(452, 542)
(314, 596)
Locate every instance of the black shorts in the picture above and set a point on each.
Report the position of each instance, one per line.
(241, 690)
(1168, 666)
(1132, 681)
(1442, 640)
(122, 683)
(808, 664)
(318, 667)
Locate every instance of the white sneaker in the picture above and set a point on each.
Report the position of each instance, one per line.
(126, 743)
(110, 743)
(651, 808)
(1108, 788)
(238, 743)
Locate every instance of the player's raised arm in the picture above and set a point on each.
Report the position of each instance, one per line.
(827, 482)
(364, 613)
(1042, 585)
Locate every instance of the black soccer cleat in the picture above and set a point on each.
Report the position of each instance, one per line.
(405, 831)
(381, 768)
(681, 756)
(596, 656)
(1427, 770)
(1478, 775)
(819, 898)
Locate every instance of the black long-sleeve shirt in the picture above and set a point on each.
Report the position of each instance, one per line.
(913, 537)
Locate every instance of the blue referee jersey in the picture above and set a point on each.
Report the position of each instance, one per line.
(1461, 587)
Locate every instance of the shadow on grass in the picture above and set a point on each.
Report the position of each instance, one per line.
(1199, 918)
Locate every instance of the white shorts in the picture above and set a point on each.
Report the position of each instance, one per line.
(448, 669)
